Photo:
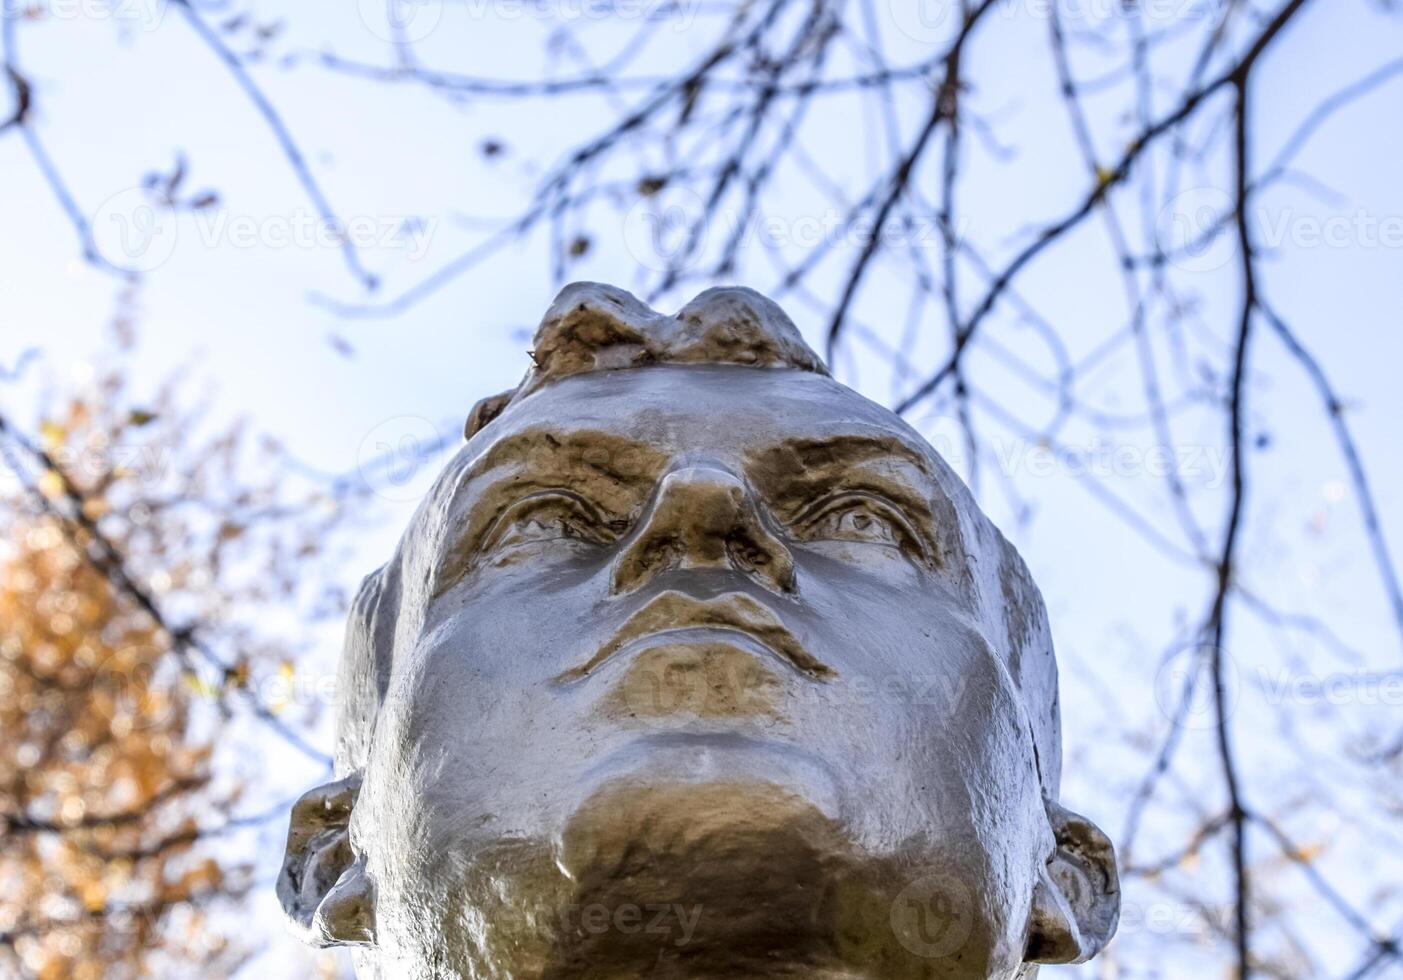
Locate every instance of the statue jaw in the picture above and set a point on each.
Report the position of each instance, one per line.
(715, 879)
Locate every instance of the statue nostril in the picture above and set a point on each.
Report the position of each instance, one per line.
(748, 554)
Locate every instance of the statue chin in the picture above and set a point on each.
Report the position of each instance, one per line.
(729, 878)
(740, 872)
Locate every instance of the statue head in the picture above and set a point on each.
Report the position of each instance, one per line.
(696, 663)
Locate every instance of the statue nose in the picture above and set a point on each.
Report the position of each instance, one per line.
(704, 517)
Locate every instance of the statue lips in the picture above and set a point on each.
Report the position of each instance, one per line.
(674, 612)
(704, 680)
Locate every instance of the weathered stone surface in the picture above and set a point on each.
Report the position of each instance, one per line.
(695, 663)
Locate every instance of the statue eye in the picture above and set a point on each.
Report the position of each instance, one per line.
(549, 516)
(855, 517)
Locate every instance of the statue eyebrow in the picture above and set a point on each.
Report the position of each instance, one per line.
(794, 472)
(617, 459)
(807, 465)
(853, 447)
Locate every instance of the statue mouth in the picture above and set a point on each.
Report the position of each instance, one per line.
(674, 616)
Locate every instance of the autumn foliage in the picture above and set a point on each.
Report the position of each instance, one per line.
(138, 562)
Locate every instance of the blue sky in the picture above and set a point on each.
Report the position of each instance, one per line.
(234, 290)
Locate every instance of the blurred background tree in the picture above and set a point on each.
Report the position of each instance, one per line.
(139, 560)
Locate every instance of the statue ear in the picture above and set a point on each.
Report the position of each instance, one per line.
(323, 887)
(1076, 903)
(485, 411)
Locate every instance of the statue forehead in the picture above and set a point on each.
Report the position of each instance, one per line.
(666, 405)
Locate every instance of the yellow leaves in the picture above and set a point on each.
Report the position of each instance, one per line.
(53, 434)
(93, 894)
(281, 694)
(203, 877)
(237, 676)
(99, 719)
(1309, 852)
(51, 484)
(199, 685)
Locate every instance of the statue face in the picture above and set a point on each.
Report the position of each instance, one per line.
(700, 690)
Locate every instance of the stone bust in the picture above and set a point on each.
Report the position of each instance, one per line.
(695, 663)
